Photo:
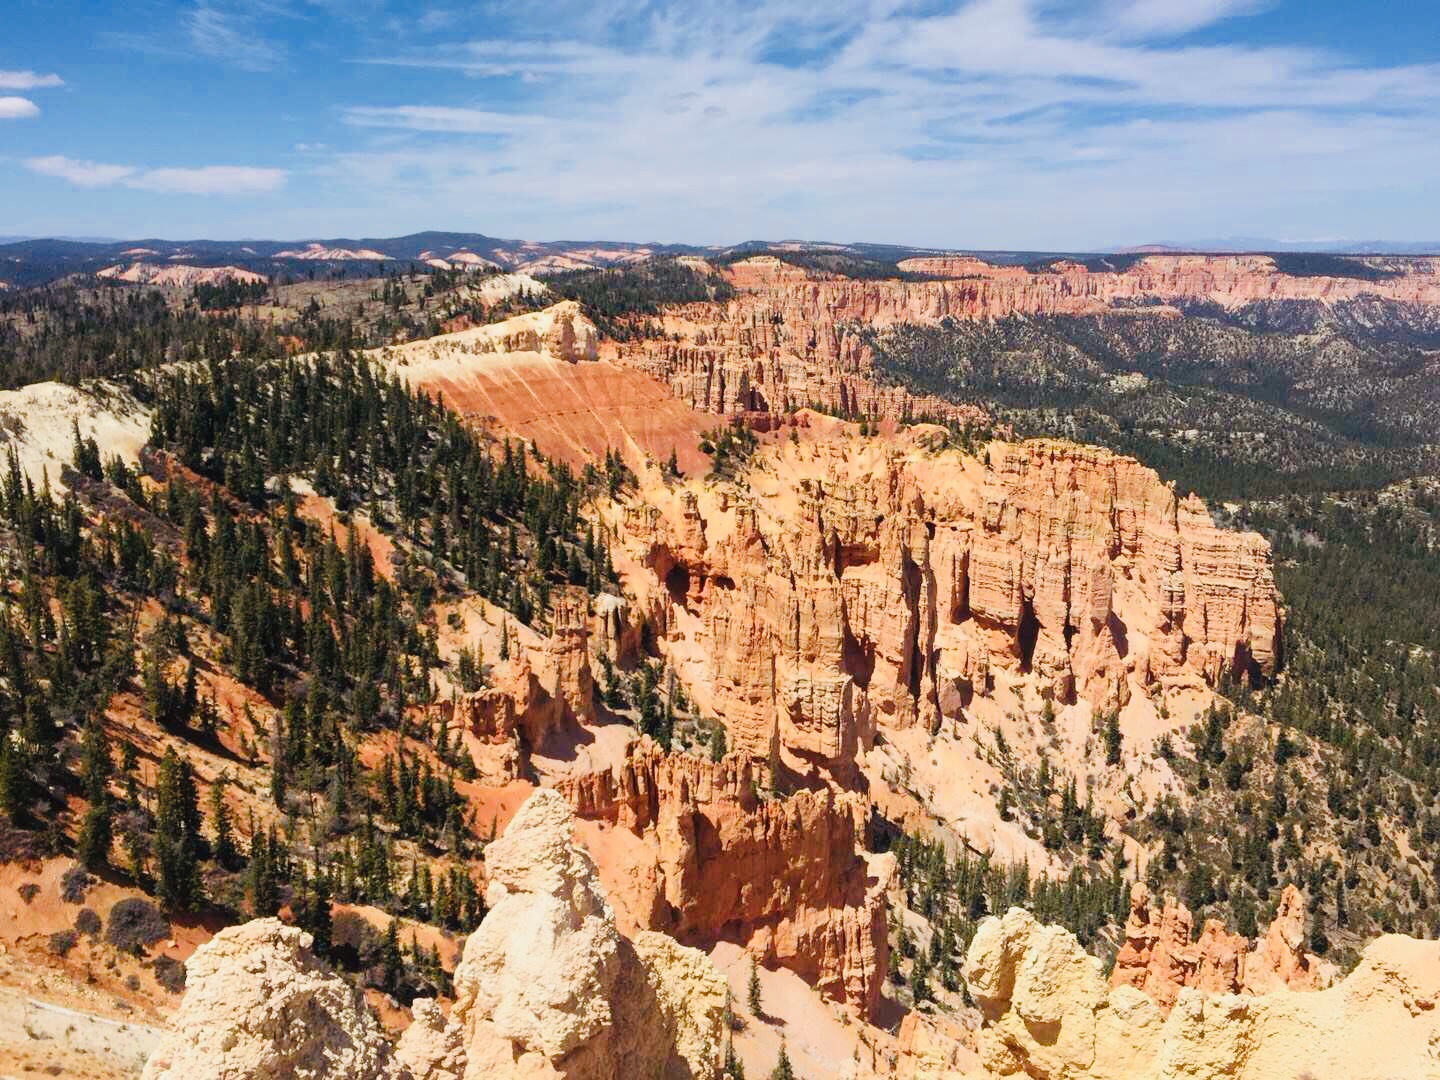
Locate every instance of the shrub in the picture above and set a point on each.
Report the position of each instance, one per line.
(354, 943)
(28, 891)
(88, 923)
(132, 982)
(170, 973)
(62, 941)
(75, 884)
(135, 923)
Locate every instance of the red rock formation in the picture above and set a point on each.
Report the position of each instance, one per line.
(786, 877)
(1229, 280)
(502, 722)
(1159, 957)
(1280, 959)
(536, 376)
(879, 583)
(791, 337)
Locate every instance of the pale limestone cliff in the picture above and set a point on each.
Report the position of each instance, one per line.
(785, 877)
(259, 1006)
(547, 987)
(431, 1047)
(1049, 1014)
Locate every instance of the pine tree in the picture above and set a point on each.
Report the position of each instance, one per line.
(391, 957)
(753, 990)
(264, 881)
(279, 772)
(1112, 739)
(177, 833)
(96, 831)
(318, 919)
(782, 1070)
(14, 778)
(224, 846)
(732, 1066)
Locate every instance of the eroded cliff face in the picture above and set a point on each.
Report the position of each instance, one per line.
(845, 585)
(793, 337)
(1159, 956)
(529, 701)
(1048, 1013)
(975, 289)
(786, 877)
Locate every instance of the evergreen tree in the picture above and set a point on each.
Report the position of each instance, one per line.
(391, 957)
(96, 830)
(177, 834)
(753, 990)
(731, 1066)
(782, 1070)
(224, 845)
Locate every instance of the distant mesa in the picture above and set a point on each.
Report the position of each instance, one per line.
(185, 277)
(320, 253)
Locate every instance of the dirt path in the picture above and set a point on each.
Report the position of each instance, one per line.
(38, 1038)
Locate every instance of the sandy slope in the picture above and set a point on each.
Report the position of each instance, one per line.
(38, 421)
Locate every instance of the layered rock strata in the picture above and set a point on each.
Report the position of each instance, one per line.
(844, 585)
(793, 337)
(1159, 956)
(1049, 1014)
(528, 701)
(787, 877)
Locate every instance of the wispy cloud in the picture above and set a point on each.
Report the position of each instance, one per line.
(201, 180)
(441, 118)
(1098, 121)
(232, 35)
(28, 80)
(17, 108)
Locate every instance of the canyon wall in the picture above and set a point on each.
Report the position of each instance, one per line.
(792, 337)
(974, 289)
(844, 585)
(786, 877)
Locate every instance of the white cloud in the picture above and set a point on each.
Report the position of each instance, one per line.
(211, 180)
(202, 180)
(17, 108)
(27, 80)
(990, 123)
(441, 118)
(80, 173)
(233, 36)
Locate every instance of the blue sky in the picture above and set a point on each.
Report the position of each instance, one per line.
(974, 123)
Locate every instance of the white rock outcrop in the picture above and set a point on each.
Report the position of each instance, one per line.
(431, 1047)
(259, 1006)
(547, 987)
(1049, 1013)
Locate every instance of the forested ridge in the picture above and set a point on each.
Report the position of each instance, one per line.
(136, 580)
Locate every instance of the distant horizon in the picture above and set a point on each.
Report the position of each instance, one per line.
(1231, 245)
(958, 124)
